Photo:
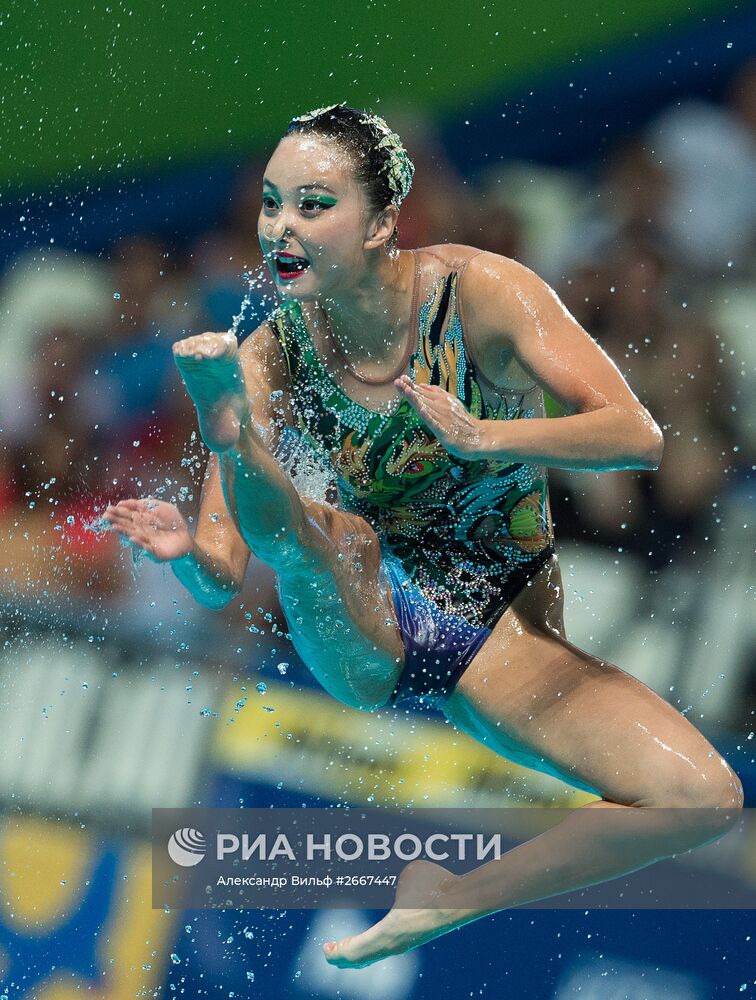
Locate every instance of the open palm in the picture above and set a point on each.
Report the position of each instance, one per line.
(153, 525)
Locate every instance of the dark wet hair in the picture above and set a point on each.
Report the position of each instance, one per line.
(354, 130)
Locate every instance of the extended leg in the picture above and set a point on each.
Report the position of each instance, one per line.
(328, 562)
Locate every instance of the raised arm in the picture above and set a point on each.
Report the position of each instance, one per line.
(512, 316)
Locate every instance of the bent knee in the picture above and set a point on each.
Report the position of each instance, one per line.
(714, 787)
(330, 534)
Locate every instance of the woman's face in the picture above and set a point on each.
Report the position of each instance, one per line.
(314, 210)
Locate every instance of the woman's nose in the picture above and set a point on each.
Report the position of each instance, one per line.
(276, 229)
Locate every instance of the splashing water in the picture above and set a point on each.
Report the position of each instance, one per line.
(253, 282)
(98, 525)
(308, 472)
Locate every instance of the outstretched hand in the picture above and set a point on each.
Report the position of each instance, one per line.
(153, 525)
(446, 416)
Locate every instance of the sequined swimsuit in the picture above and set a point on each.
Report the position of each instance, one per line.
(459, 538)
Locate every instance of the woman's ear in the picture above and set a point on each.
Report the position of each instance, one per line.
(382, 228)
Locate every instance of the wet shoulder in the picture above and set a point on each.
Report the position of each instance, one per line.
(493, 286)
(446, 256)
(494, 291)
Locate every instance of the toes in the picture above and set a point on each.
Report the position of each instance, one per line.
(334, 952)
(343, 953)
(205, 345)
(361, 950)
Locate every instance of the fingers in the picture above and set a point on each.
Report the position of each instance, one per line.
(133, 533)
(132, 506)
(123, 505)
(135, 524)
(122, 513)
(414, 393)
(130, 535)
(118, 517)
(419, 400)
(404, 382)
(124, 525)
(128, 524)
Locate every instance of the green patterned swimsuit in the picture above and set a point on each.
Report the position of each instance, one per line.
(460, 538)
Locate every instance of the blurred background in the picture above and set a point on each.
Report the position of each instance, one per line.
(612, 151)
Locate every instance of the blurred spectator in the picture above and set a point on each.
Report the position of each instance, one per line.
(37, 290)
(632, 189)
(709, 155)
(129, 387)
(547, 205)
(671, 359)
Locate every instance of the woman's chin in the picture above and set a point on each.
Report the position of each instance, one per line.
(302, 290)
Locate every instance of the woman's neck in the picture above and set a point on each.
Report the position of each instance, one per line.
(369, 322)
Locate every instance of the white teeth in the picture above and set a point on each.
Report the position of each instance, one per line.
(294, 262)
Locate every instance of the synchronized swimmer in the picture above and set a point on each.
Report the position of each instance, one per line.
(419, 376)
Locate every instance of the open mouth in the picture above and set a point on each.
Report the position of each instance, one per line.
(288, 266)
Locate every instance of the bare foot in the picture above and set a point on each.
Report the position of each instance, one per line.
(209, 365)
(402, 929)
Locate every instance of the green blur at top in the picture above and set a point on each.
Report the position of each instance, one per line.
(103, 89)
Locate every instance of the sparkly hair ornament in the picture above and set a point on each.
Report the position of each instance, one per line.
(312, 115)
(399, 168)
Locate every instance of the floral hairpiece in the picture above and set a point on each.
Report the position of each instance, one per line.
(399, 167)
(312, 115)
